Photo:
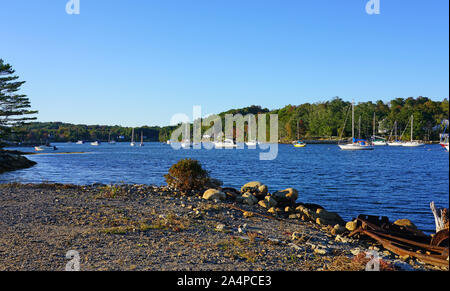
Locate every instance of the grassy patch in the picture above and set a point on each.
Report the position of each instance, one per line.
(240, 249)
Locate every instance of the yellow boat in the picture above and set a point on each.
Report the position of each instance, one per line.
(299, 144)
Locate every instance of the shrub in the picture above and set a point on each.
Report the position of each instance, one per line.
(187, 176)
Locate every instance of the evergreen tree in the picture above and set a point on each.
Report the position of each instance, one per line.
(14, 107)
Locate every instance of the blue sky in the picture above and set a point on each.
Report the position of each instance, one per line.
(139, 62)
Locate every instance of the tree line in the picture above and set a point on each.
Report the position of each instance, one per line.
(321, 120)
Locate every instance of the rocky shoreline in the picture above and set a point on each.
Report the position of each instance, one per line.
(12, 161)
(139, 227)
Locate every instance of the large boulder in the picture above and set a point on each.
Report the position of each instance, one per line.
(12, 162)
(258, 189)
(320, 216)
(287, 196)
(214, 194)
(329, 218)
(247, 198)
(351, 225)
(408, 225)
(306, 212)
(231, 193)
(268, 202)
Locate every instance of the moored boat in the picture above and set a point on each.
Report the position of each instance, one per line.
(412, 142)
(356, 144)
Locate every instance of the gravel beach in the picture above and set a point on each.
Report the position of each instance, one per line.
(136, 227)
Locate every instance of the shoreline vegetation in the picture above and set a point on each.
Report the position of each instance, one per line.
(193, 223)
(141, 227)
(319, 122)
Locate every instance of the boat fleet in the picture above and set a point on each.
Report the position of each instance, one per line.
(394, 141)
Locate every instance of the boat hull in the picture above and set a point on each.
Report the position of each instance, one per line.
(355, 147)
(412, 144)
(379, 143)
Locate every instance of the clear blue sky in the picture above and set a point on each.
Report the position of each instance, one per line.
(135, 62)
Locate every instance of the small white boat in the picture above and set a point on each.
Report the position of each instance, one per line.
(95, 143)
(444, 141)
(186, 144)
(111, 141)
(251, 143)
(445, 146)
(80, 142)
(412, 143)
(39, 149)
(228, 143)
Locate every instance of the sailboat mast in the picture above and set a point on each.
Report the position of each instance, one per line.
(396, 135)
(412, 126)
(374, 124)
(359, 128)
(353, 119)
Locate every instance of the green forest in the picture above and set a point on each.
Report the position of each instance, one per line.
(323, 120)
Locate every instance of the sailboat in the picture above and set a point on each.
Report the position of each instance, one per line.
(299, 143)
(412, 143)
(142, 139)
(132, 139)
(395, 142)
(444, 137)
(357, 144)
(228, 143)
(111, 141)
(376, 140)
(186, 144)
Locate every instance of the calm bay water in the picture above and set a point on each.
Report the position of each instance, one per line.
(389, 181)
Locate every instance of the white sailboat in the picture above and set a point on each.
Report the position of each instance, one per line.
(376, 140)
(95, 143)
(228, 143)
(412, 143)
(186, 144)
(142, 139)
(444, 136)
(111, 141)
(356, 145)
(80, 142)
(395, 142)
(251, 143)
(132, 139)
